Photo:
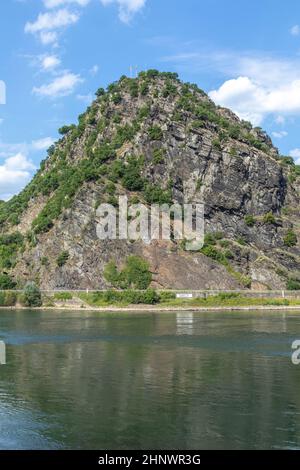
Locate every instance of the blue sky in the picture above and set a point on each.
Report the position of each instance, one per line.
(56, 53)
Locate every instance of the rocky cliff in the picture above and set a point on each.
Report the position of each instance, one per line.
(157, 140)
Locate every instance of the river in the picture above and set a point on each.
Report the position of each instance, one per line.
(84, 380)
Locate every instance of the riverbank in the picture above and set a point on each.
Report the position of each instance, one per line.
(150, 301)
(158, 309)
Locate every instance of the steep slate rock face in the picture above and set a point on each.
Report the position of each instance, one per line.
(184, 149)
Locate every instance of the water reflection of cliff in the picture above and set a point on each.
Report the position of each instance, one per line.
(157, 381)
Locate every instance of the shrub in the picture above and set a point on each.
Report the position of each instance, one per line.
(199, 185)
(45, 261)
(117, 119)
(144, 89)
(104, 153)
(169, 90)
(234, 131)
(218, 235)
(290, 239)
(269, 218)
(155, 195)
(212, 252)
(136, 274)
(287, 160)
(135, 200)
(116, 171)
(65, 129)
(155, 133)
(152, 73)
(224, 243)
(100, 92)
(206, 112)
(112, 200)
(149, 297)
(6, 282)
(246, 281)
(132, 179)
(110, 188)
(241, 241)
(116, 98)
(9, 246)
(228, 295)
(63, 296)
(31, 296)
(144, 112)
(132, 86)
(217, 144)
(8, 299)
(111, 274)
(249, 220)
(158, 156)
(62, 258)
(130, 296)
(209, 239)
(293, 284)
(165, 296)
(228, 254)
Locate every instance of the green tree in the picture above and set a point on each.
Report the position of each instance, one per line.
(32, 295)
(293, 284)
(111, 274)
(6, 282)
(137, 272)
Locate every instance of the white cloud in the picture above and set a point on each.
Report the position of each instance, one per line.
(254, 100)
(16, 168)
(19, 162)
(42, 144)
(295, 153)
(48, 37)
(58, 3)
(47, 24)
(242, 96)
(127, 8)
(50, 21)
(61, 86)
(49, 62)
(279, 134)
(15, 173)
(295, 30)
(257, 86)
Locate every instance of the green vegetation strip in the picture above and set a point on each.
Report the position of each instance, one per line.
(168, 299)
(31, 297)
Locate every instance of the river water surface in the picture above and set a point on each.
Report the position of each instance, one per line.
(82, 380)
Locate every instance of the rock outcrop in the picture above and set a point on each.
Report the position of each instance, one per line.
(158, 140)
